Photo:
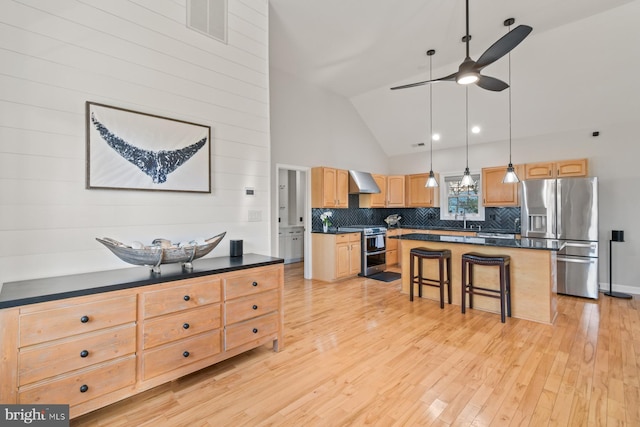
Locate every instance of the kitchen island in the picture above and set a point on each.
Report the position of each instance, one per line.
(533, 272)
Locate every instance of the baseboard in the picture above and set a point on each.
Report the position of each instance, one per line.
(635, 290)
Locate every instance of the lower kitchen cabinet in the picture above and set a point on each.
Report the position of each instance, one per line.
(92, 350)
(392, 247)
(336, 256)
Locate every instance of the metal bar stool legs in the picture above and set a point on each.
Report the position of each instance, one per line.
(468, 284)
(444, 261)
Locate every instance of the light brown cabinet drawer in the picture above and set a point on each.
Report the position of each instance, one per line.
(175, 297)
(253, 282)
(43, 361)
(83, 386)
(48, 325)
(176, 355)
(342, 238)
(253, 329)
(251, 306)
(183, 324)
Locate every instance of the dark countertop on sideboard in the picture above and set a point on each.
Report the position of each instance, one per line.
(34, 291)
(526, 243)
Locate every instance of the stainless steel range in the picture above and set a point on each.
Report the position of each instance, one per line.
(374, 248)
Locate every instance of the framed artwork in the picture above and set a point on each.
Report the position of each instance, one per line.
(136, 151)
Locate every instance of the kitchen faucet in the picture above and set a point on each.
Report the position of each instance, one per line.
(464, 218)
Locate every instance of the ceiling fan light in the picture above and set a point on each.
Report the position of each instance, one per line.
(467, 180)
(431, 181)
(468, 78)
(511, 177)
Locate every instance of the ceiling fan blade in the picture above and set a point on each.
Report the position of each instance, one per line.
(503, 46)
(491, 83)
(441, 79)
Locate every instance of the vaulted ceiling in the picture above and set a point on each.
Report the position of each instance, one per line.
(571, 73)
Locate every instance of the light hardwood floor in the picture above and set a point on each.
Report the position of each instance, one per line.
(357, 352)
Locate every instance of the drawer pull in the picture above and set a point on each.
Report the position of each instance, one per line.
(255, 330)
(255, 307)
(254, 284)
(185, 354)
(185, 326)
(84, 388)
(84, 353)
(187, 298)
(84, 319)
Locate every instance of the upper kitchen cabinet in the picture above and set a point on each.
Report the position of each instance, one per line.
(391, 193)
(560, 169)
(419, 196)
(494, 192)
(395, 191)
(329, 188)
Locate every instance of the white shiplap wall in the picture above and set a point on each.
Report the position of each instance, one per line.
(139, 55)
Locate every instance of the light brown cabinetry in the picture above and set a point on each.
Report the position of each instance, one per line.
(180, 326)
(395, 191)
(91, 351)
(73, 353)
(252, 309)
(494, 192)
(336, 256)
(391, 193)
(329, 188)
(392, 247)
(419, 196)
(559, 169)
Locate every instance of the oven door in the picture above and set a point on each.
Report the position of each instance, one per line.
(374, 254)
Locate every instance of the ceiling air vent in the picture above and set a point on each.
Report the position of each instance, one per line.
(208, 17)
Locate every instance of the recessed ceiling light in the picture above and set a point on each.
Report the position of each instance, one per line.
(475, 129)
(436, 137)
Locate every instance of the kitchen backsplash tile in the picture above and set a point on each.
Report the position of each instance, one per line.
(495, 218)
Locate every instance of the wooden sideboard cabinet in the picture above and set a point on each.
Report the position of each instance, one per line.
(92, 350)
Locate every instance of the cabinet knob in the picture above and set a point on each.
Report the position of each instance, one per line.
(84, 353)
(255, 330)
(185, 326)
(84, 388)
(254, 284)
(255, 307)
(187, 298)
(84, 319)
(185, 354)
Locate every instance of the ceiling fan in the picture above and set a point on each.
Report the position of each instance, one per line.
(469, 70)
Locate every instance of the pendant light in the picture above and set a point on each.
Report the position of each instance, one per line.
(431, 181)
(510, 177)
(467, 180)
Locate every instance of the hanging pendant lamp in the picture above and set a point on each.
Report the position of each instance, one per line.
(431, 181)
(467, 180)
(510, 177)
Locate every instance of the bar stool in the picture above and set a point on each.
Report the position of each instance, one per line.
(420, 254)
(503, 293)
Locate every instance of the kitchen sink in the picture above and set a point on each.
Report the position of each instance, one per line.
(496, 235)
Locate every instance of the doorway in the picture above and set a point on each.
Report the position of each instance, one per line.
(293, 211)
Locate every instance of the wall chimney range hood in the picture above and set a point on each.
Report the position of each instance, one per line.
(362, 183)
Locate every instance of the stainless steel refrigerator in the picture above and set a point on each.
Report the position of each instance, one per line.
(566, 210)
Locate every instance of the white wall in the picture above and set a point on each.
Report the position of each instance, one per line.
(613, 158)
(137, 54)
(311, 126)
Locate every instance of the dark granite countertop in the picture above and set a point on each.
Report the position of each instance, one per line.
(473, 230)
(544, 244)
(26, 292)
